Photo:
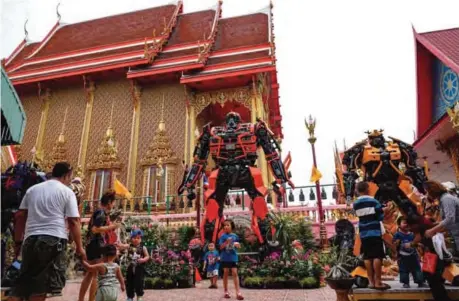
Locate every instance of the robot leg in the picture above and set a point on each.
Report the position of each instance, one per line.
(260, 223)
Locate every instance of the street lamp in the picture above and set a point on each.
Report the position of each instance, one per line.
(310, 126)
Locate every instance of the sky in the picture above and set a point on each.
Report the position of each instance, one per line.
(350, 64)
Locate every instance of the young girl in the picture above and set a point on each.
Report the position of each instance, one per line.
(136, 271)
(228, 243)
(109, 273)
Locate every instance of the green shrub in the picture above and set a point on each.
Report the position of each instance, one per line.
(309, 282)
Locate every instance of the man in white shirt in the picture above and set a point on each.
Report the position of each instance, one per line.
(47, 206)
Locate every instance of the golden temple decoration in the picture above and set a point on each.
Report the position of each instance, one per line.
(451, 148)
(241, 95)
(454, 116)
(136, 92)
(59, 152)
(107, 153)
(38, 148)
(89, 89)
(160, 150)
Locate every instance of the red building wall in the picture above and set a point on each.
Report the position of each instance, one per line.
(425, 71)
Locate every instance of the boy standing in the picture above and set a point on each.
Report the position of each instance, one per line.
(370, 214)
(211, 265)
(408, 261)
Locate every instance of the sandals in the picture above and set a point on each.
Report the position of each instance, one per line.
(227, 296)
(382, 288)
(239, 297)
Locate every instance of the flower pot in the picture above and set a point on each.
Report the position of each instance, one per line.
(183, 283)
(341, 287)
(340, 284)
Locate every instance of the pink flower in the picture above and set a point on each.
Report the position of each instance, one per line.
(327, 268)
(182, 262)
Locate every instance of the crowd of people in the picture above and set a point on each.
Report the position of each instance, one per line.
(52, 217)
(430, 242)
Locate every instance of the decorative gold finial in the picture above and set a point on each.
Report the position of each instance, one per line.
(310, 126)
(59, 152)
(160, 151)
(109, 132)
(107, 154)
(57, 12)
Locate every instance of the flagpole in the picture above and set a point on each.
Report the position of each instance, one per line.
(310, 126)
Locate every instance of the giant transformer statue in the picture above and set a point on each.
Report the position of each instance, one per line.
(389, 166)
(234, 147)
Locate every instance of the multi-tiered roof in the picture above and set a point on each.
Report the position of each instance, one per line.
(200, 49)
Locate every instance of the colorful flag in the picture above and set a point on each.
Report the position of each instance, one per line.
(122, 190)
(315, 175)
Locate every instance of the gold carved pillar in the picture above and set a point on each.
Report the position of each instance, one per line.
(89, 90)
(193, 116)
(260, 114)
(45, 99)
(160, 165)
(136, 95)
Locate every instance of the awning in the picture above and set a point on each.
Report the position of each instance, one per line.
(13, 115)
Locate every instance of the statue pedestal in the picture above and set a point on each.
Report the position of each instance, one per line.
(342, 295)
(342, 287)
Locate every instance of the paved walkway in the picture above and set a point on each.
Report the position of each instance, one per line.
(202, 293)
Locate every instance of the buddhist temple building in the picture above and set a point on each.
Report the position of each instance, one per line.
(437, 60)
(123, 97)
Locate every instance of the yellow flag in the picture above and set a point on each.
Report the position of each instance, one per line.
(122, 190)
(315, 175)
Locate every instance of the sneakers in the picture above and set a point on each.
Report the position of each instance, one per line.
(405, 285)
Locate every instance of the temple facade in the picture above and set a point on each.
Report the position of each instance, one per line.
(124, 97)
(437, 61)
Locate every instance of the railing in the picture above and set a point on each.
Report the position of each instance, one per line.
(179, 211)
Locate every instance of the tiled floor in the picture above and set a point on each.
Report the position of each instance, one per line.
(202, 293)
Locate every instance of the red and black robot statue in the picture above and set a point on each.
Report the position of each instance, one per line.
(234, 149)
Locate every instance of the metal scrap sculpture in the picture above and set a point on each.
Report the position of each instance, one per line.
(234, 150)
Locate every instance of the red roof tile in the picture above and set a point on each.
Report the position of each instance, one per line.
(26, 51)
(177, 54)
(83, 58)
(238, 57)
(446, 41)
(242, 31)
(192, 27)
(108, 30)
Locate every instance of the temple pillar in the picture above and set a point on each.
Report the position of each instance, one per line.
(132, 163)
(45, 99)
(89, 90)
(192, 133)
(258, 109)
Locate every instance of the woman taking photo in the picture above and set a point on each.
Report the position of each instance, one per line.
(449, 212)
(99, 230)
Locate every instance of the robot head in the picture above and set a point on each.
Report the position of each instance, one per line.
(232, 120)
(376, 138)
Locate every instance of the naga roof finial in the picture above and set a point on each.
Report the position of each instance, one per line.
(57, 12)
(26, 33)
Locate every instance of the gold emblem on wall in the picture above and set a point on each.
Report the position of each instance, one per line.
(107, 154)
(241, 95)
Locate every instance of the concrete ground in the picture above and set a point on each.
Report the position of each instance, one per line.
(202, 293)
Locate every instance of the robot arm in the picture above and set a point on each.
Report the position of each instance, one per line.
(352, 161)
(200, 155)
(409, 157)
(265, 139)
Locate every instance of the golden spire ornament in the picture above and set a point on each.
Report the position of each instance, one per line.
(59, 152)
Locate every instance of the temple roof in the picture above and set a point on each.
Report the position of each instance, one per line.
(444, 44)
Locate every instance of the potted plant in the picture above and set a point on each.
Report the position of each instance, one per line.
(253, 282)
(309, 282)
(339, 278)
(168, 284)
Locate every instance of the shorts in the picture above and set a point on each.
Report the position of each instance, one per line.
(373, 248)
(94, 250)
(213, 273)
(228, 264)
(107, 293)
(43, 267)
